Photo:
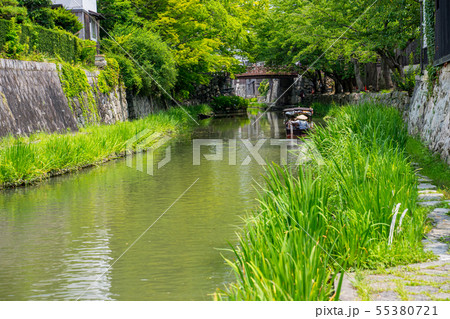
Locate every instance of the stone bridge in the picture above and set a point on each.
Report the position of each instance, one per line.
(280, 79)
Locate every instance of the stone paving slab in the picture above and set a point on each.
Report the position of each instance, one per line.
(421, 282)
(430, 204)
(424, 186)
(413, 282)
(427, 197)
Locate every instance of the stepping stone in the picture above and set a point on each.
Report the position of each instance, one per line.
(429, 204)
(437, 248)
(424, 177)
(427, 197)
(424, 180)
(441, 211)
(426, 186)
(428, 191)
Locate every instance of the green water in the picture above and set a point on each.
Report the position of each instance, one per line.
(61, 240)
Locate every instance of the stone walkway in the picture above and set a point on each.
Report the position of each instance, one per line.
(424, 281)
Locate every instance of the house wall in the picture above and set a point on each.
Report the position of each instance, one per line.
(81, 9)
(88, 5)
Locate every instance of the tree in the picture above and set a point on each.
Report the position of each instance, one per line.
(342, 34)
(66, 20)
(151, 59)
(9, 9)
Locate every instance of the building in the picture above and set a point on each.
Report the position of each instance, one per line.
(86, 11)
(442, 32)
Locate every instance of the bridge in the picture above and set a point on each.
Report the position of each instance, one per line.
(263, 72)
(280, 79)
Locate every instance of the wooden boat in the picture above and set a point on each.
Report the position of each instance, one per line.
(298, 121)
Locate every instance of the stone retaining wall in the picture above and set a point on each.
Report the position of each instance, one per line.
(398, 99)
(426, 116)
(430, 117)
(32, 99)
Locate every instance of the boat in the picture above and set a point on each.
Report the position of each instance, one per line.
(298, 121)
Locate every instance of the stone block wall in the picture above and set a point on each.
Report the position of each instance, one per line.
(429, 117)
(397, 99)
(32, 99)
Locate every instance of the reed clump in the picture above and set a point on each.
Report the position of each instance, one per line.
(32, 158)
(316, 221)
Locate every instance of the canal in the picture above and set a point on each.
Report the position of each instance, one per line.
(65, 238)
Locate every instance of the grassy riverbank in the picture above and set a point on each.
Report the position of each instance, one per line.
(316, 221)
(29, 159)
(431, 165)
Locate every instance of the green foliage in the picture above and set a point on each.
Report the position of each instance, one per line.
(433, 77)
(66, 20)
(229, 103)
(431, 164)
(108, 78)
(12, 47)
(320, 109)
(152, 59)
(202, 38)
(430, 21)
(117, 12)
(33, 5)
(27, 159)
(316, 221)
(292, 31)
(43, 17)
(51, 43)
(75, 85)
(407, 81)
(40, 12)
(264, 87)
(9, 10)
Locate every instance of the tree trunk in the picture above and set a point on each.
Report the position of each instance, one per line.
(337, 85)
(386, 74)
(359, 82)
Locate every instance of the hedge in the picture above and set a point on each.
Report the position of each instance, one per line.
(53, 43)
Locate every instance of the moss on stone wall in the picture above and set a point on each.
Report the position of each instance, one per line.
(76, 87)
(108, 78)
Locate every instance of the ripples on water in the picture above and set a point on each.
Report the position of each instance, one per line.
(58, 240)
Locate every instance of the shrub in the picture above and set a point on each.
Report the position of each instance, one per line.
(264, 87)
(12, 46)
(67, 20)
(407, 82)
(43, 17)
(108, 78)
(156, 69)
(52, 43)
(229, 103)
(9, 10)
(33, 5)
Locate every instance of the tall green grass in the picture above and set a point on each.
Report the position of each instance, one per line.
(26, 159)
(321, 220)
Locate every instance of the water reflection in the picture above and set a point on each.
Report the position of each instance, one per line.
(56, 239)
